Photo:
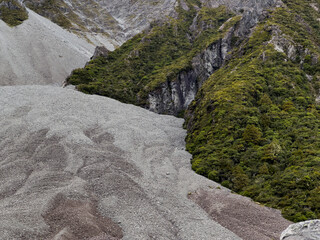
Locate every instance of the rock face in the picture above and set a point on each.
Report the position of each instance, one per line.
(100, 51)
(100, 19)
(174, 97)
(12, 12)
(309, 230)
(75, 166)
(243, 5)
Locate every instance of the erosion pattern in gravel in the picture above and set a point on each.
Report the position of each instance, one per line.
(39, 52)
(71, 162)
(247, 219)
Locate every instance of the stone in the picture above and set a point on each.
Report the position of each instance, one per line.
(309, 230)
(100, 51)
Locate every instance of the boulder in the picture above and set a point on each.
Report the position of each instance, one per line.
(309, 230)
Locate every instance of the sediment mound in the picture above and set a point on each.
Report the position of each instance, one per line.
(39, 52)
(76, 166)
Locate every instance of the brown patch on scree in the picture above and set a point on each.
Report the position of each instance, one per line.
(75, 220)
(241, 215)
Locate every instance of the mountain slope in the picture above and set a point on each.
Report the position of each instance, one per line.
(145, 61)
(75, 166)
(73, 163)
(114, 19)
(254, 125)
(39, 52)
(163, 68)
(255, 69)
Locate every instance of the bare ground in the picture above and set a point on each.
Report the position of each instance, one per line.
(75, 166)
(241, 215)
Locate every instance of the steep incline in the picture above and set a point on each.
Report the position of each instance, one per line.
(254, 125)
(254, 67)
(72, 163)
(118, 20)
(39, 52)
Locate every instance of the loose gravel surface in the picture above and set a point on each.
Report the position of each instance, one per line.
(39, 52)
(76, 166)
(70, 160)
(244, 217)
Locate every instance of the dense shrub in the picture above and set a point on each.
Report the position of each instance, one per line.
(254, 125)
(158, 55)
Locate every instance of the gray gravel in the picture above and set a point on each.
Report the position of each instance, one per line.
(39, 52)
(124, 162)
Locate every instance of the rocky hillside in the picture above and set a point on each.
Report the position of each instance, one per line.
(35, 50)
(77, 167)
(253, 69)
(97, 19)
(254, 123)
(244, 74)
(163, 67)
(39, 52)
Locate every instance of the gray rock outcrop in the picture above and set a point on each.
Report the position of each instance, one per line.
(100, 51)
(118, 20)
(309, 230)
(173, 97)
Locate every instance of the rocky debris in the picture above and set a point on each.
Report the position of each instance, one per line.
(174, 97)
(39, 52)
(77, 166)
(241, 215)
(118, 20)
(309, 230)
(74, 219)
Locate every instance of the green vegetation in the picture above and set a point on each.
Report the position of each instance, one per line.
(153, 57)
(12, 13)
(254, 126)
